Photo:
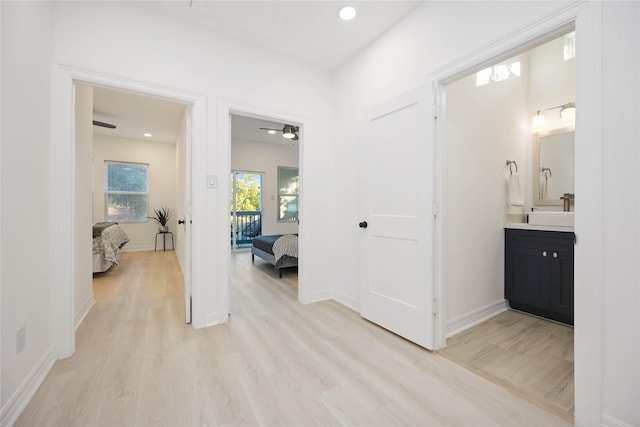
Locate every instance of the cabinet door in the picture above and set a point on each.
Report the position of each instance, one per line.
(561, 282)
(527, 276)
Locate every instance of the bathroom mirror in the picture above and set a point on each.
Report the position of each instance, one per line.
(553, 166)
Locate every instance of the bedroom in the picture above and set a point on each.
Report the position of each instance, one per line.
(143, 141)
(265, 187)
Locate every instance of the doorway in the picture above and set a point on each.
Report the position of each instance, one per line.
(486, 122)
(265, 191)
(64, 202)
(137, 129)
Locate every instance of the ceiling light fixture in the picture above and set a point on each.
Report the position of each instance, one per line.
(148, 135)
(347, 13)
(288, 132)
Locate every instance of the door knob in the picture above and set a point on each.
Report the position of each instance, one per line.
(181, 221)
(363, 224)
(544, 253)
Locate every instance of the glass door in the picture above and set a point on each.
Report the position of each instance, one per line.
(246, 208)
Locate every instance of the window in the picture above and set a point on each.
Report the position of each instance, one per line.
(497, 73)
(287, 194)
(126, 191)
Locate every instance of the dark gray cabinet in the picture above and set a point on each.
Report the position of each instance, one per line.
(539, 273)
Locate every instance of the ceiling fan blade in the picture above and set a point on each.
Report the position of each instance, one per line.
(103, 124)
(277, 130)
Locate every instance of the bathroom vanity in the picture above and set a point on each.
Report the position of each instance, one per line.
(539, 270)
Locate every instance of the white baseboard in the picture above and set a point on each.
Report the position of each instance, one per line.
(19, 400)
(84, 310)
(609, 421)
(322, 296)
(474, 317)
(332, 294)
(127, 248)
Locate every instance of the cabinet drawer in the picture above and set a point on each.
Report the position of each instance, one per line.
(538, 239)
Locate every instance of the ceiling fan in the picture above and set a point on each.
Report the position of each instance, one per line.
(103, 124)
(288, 131)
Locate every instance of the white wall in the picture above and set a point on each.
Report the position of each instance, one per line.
(552, 81)
(26, 228)
(263, 157)
(621, 214)
(83, 274)
(161, 158)
(486, 126)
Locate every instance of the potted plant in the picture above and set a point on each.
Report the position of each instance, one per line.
(162, 216)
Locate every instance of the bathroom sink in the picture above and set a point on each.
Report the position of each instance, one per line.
(560, 219)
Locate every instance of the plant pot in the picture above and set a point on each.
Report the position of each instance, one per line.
(163, 229)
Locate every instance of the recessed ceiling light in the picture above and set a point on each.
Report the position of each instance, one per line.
(347, 13)
(148, 135)
(271, 131)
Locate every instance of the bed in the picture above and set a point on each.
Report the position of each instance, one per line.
(280, 250)
(108, 239)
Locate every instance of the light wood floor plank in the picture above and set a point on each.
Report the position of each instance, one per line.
(276, 362)
(532, 356)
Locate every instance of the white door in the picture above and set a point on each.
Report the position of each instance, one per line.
(397, 223)
(183, 211)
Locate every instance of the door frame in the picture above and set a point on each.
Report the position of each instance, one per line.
(225, 109)
(586, 18)
(63, 201)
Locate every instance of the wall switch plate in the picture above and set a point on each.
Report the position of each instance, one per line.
(21, 339)
(212, 181)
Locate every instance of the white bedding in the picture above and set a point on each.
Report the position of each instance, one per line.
(106, 247)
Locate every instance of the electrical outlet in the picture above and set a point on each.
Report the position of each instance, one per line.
(21, 339)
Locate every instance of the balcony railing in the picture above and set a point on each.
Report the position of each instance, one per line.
(247, 225)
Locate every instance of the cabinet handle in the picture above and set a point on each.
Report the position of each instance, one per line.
(555, 254)
(544, 253)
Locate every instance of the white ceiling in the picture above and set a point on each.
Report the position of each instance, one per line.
(308, 31)
(248, 129)
(134, 115)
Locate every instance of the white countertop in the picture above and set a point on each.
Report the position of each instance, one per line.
(525, 226)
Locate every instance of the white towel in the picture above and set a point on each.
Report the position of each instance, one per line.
(547, 189)
(515, 197)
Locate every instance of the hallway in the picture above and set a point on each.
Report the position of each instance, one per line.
(276, 362)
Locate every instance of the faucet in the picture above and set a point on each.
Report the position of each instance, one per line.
(567, 198)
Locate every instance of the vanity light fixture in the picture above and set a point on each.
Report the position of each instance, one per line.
(347, 13)
(567, 114)
(537, 123)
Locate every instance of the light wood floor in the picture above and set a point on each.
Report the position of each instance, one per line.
(275, 363)
(529, 355)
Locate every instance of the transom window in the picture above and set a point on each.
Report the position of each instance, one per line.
(126, 191)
